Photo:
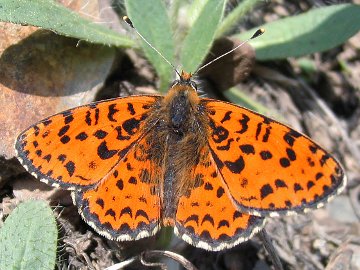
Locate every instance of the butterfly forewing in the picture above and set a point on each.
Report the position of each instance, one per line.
(268, 168)
(80, 146)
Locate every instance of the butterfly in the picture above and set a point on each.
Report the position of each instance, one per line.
(211, 169)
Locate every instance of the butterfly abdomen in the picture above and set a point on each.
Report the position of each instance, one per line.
(183, 137)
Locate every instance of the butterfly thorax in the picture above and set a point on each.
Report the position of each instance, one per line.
(177, 144)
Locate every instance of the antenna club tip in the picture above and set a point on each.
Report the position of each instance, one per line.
(128, 21)
(259, 32)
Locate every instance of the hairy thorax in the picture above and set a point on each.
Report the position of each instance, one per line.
(178, 144)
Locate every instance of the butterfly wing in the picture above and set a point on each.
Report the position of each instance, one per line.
(269, 168)
(207, 217)
(125, 205)
(79, 147)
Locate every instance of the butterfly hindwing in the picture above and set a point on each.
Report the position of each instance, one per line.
(206, 217)
(269, 168)
(125, 205)
(80, 146)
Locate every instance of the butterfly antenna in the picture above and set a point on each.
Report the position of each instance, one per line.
(129, 22)
(259, 32)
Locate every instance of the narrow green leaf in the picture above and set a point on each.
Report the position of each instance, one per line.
(234, 17)
(194, 10)
(314, 31)
(28, 239)
(237, 97)
(201, 35)
(50, 15)
(151, 20)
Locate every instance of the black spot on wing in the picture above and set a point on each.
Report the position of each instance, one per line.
(96, 115)
(247, 149)
(258, 130)
(68, 119)
(132, 180)
(208, 218)
(62, 157)
(70, 167)
(266, 135)
(131, 126)
(324, 158)
(284, 162)
(81, 136)
(291, 154)
(208, 186)
(219, 133)
(120, 184)
(142, 213)
(313, 148)
(47, 122)
(192, 218)
(236, 215)
(225, 147)
(266, 190)
(220, 192)
(88, 118)
(318, 175)
(110, 212)
(265, 155)
(244, 124)
(100, 134)
(280, 183)
(38, 152)
(100, 202)
(112, 111)
(223, 223)
(130, 108)
(103, 151)
(226, 117)
(235, 166)
(47, 157)
(65, 139)
(297, 187)
(36, 130)
(310, 184)
(120, 136)
(290, 137)
(126, 211)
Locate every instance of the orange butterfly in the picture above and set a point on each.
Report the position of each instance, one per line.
(211, 169)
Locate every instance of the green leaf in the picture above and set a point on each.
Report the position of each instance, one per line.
(55, 17)
(314, 31)
(201, 35)
(28, 239)
(234, 17)
(150, 19)
(193, 10)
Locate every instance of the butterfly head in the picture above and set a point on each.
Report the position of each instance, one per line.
(185, 81)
